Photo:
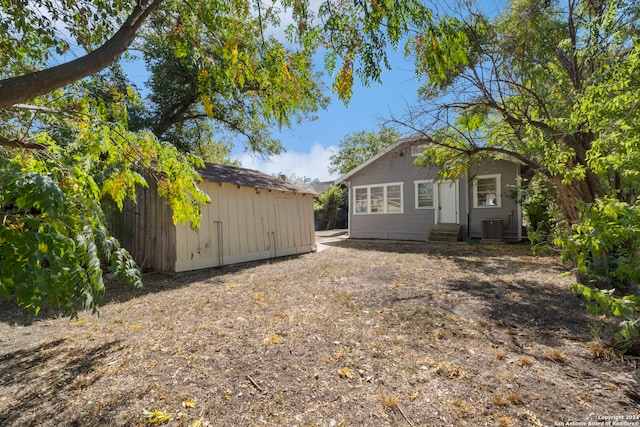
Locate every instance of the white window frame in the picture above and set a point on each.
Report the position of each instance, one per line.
(416, 150)
(433, 195)
(385, 203)
(498, 178)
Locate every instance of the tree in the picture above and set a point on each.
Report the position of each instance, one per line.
(553, 85)
(531, 84)
(359, 147)
(68, 140)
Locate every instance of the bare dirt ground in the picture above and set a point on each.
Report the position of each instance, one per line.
(361, 334)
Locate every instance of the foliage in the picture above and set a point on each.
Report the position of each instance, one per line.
(329, 203)
(541, 212)
(53, 237)
(530, 85)
(54, 233)
(605, 302)
(554, 86)
(605, 244)
(359, 147)
(85, 135)
(606, 249)
(232, 79)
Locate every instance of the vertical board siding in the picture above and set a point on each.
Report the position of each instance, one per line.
(240, 224)
(255, 224)
(145, 228)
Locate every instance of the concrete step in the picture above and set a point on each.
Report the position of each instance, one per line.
(446, 233)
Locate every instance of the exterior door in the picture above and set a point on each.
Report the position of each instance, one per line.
(448, 202)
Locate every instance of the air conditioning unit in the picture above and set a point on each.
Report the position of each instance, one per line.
(492, 230)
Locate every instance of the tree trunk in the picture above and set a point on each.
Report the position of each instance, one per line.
(571, 195)
(23, 88)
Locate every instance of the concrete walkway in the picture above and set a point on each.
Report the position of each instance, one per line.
(327, 238)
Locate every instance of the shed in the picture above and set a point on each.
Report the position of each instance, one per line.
(251, 216)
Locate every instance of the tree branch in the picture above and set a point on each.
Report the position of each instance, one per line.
(14, 143)
(23, 88)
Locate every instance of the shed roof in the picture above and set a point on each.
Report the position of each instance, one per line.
(247, 178)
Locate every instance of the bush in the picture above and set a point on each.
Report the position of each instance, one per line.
(605, 248)
(328, 205)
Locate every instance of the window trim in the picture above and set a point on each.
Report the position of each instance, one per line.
(433, 196)
(498, 178)
(385, 202)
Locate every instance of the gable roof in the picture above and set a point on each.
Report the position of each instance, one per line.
(417, 137)
(225, 174)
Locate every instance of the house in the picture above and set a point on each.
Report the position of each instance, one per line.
(251, 216)
(392, 198)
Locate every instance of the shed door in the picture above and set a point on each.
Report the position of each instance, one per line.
(448, 202)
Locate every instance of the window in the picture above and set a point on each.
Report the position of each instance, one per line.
(424, 194)
(361, 202)
(382, 198)
(416, 150)
(486, 191)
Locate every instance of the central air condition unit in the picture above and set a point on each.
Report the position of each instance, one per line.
(492, 230)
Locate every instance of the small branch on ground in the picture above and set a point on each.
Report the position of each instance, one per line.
(255, 384)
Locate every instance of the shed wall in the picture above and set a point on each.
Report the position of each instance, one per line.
(245, 224)
(145, 228)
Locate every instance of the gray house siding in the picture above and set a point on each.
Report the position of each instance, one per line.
(411, 224)
(509, 212)
(395, 167)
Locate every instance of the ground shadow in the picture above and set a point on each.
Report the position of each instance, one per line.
(116, 291)
(40, 380)
(435, 248)
(527, 307)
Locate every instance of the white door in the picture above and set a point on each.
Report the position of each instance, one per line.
(448, 202)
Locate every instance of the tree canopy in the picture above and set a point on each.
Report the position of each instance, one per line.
(359, 147)
(555, 86)
(74, 132)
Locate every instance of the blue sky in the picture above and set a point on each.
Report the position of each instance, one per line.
(310, 144)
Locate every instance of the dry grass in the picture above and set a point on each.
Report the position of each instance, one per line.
(365, 333)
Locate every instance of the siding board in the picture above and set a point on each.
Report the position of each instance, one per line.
(247, 223)
(396, 165)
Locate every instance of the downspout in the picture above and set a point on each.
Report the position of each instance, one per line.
(468, 203)
(349, 206)
(219, 231)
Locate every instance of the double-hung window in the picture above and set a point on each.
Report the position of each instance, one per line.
(487, 191)
(381, 198)
(424, 194)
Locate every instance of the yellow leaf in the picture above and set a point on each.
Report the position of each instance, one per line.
(191, 403)
(136, 326)
(234, 55)
(346, 373)
(208, 107)
(78, 322)
(285, 71)
(272, 339)
(157, 417)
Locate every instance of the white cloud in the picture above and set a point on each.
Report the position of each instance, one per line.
(314, 164)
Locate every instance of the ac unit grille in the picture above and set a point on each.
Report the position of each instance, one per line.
(492, 229)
